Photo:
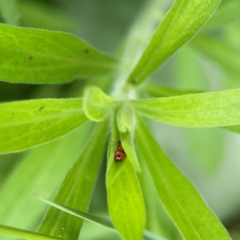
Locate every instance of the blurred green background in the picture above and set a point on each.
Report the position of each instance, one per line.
(209, 157)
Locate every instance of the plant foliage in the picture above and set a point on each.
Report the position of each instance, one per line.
(72, 137)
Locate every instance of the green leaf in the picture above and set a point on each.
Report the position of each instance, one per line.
(181, 200)
(40, 170)
(15, 232)
(125, 200)
(158, 220)
(104, 222)
(127, 141)
(9, 12)
(78, 184)
(177, 28)
(126, 124)
(210, 109)
(160, 91)
(125, 119)
(221, 52)
(25, 124)
(96, 104)
(41, 56)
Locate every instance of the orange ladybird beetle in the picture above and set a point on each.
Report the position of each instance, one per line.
(119, 155)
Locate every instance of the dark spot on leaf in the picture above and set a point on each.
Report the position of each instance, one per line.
(30, 58)
(86, 51)
(41, 108)
(133, 81)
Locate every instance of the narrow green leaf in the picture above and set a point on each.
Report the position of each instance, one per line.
(160, 91)
(9, 12)
(41, 56)
(40, 170)
(181, 200)
(125, 200)
(23, 234)
(96, 104)
(177, 28)
(76, 189)
(25, 124)
(127, 141)
(104, 222)
(221, 52)
(210, 109)
(158, 220)
(126, 125)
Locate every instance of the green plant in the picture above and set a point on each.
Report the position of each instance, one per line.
(121, 101)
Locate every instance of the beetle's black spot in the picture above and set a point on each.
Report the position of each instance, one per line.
(41, 108)
(30, 58)
(86, 51)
